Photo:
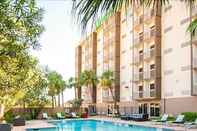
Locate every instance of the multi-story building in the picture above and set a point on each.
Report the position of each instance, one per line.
(153, 57)
(86, 57)
(178, 59)
(108, 54)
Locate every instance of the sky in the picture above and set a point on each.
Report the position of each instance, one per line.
(59, 39)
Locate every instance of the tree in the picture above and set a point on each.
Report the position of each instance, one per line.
(89, 79)
(76, 83)
(106, 81)
(56, 85)
(89, 10)
(20, 22)
(36, 96)
(18, 74)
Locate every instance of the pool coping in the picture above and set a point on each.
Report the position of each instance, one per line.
(120, 122)
(47, 124)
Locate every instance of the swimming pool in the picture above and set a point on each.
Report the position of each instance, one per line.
(94, 125)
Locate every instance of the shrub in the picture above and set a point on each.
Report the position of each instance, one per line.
(9, 116)
(190, 116)
(171, 118)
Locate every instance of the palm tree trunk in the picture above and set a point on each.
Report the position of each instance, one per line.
(114, 98)
(62, 98)
(52, 101)
(59, 101)
(76, 96)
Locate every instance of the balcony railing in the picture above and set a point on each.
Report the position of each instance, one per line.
(141, 75)
(194, 90)
(149, 54)
(195, 62)
(194, 11)
(151, 33)
(145, 94)
(138, 40)
(136, 59)
(138, 20)
(136, 77)
(149, 75)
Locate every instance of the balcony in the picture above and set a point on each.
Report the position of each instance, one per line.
(194, 11)
(141, 76)
(149, 75)
(195, 63)
(143, 95)
(136, 59)
(138, 40)
(138, 22)
(150, 53)
(136, 77)
(151, 34)
(194, 89)
(106, 97)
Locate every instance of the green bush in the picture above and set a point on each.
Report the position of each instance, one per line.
(9, 116)
(171, 118)
(190, 116)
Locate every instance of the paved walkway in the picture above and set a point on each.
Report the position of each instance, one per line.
(44, 124)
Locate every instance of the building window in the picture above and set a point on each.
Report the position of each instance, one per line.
(152, 67)
(167, 29)
(152, 86)
(154, 109)
(140, 70)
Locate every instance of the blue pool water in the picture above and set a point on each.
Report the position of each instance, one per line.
(93, 125)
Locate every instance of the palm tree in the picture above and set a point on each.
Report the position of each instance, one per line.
(106, 81)
(89, 79)
(56, 85)
(75, 82)
(88, 10)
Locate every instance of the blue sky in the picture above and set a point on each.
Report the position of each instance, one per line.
(59, 39)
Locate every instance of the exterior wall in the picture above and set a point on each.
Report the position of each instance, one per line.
(162, 38)
(108, 55)
(178, 53)
(126, 55)
(88, 62)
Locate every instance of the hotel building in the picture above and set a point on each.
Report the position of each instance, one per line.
(86, 59)
(153, 58)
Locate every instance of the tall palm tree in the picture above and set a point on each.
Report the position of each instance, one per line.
(89, 10)
(106, 81)
(89, 79)
(75, 82)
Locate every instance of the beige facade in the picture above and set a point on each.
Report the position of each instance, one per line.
(153, 57)
(108, 53)
(86, 57)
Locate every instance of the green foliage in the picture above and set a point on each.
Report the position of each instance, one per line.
(20, 22)
(76, 103)
(56, 84)
(190, 116)
(88, 77)
(171, 118)
(9, 116)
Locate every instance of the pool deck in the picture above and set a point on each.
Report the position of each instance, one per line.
(44, 124)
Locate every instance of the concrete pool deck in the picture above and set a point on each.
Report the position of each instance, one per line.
(45, 124)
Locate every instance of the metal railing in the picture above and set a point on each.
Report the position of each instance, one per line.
(149, 74)
(150, 53)
(195, 62)
(145, 94)
(138, 40)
